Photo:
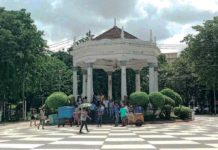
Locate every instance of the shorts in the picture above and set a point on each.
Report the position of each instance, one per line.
(123, 117)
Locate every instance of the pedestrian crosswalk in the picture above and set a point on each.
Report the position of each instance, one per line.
(197, 135)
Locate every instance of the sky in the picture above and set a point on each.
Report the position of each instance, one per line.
(170, 20)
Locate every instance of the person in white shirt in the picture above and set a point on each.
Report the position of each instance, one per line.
(83, 119)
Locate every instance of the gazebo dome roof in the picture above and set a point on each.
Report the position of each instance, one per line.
(114, 33)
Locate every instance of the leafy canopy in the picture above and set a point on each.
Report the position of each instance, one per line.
(202, 51)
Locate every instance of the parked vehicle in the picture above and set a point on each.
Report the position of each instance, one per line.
(136, 118)
(65, 115)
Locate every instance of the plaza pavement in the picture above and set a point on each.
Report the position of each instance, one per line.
(201, 134)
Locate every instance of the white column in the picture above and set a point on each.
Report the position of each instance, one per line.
(84, 93)
(123, 79)
(151, 77)
(92, 90)
(137, 80)
(89, 82)
(151, 36)
(75, 84)
(109, 85)
(156, 79)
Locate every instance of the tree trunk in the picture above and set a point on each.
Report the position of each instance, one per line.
(214, 97)
(23, 98)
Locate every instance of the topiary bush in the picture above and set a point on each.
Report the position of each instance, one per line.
(183, 112)
(169, 101)
(71, 99)
(178, 99)
(157, 100)
(177, 111)
(139, 98)
(57, 99)
(173, 95)
(168, 92)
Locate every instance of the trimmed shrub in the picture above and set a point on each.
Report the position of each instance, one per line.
(139, 98)
(168, 92)
(183, 112)
(157, 100)
(173, 95)
(169, 101)
(57, 99)
(177, 111)
(71, 99)
(178, 99)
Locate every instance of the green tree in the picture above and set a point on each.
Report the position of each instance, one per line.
(202, 51)
(50, 75)
(65, 57)
(202, 56)
(20, 45)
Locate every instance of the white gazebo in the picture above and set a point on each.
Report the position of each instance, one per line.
(115, 49)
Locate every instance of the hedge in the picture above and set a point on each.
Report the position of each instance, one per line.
(182, 112)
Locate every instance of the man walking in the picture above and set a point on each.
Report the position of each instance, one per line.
(42, 118)
(83, 119)
(100, 112)
(116, 113)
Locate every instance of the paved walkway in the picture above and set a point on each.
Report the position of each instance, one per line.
(201, 134)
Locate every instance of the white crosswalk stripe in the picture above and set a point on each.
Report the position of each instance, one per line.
(156, 136)
(78, 142)
(19, 146)
(40, 139)
(128, 146)
(173, 142)
(123, 139)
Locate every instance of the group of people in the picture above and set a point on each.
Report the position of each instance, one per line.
(42, 117)
(100, 108)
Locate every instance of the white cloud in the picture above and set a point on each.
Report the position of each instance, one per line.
(170, 20)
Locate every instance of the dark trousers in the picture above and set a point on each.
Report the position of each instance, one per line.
(81, 127)
(99, 120)
(93, 115)
(116, 119)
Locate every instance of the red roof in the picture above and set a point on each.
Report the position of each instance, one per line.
(114, 33)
